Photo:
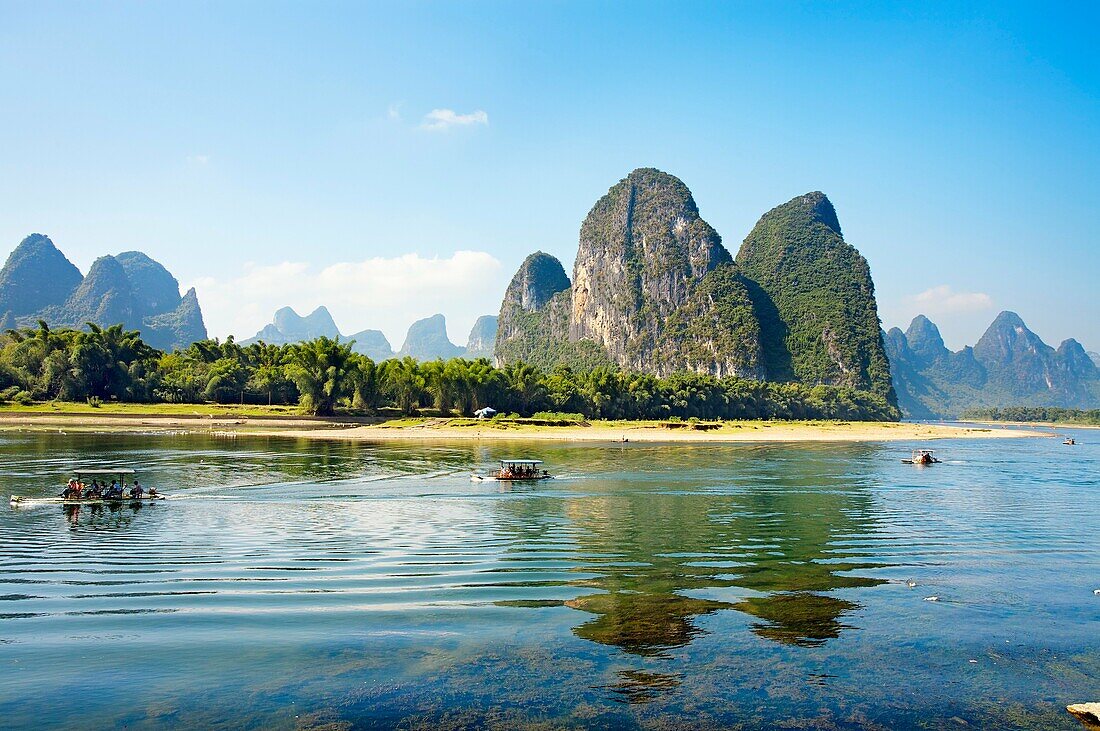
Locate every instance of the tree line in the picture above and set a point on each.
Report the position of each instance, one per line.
(325, 376)
(1049, 414)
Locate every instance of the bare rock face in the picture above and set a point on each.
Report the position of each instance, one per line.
(643, 248)
(653, 290)
(483, 338)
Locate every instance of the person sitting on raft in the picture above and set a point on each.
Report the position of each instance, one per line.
(70, 490)
(136, 491)
(93, 492)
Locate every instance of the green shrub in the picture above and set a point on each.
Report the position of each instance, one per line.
(558, 416)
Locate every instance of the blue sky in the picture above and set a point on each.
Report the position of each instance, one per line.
(275, 153)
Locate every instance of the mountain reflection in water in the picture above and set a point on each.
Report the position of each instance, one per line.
(659, 553)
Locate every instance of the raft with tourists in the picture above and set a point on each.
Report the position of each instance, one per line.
(96, 486)
(517, 470)
(922, 457)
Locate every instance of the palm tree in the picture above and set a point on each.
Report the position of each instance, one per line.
(323, 370)
(404, 383)
(526, 383)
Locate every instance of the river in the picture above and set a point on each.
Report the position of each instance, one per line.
(308, 585)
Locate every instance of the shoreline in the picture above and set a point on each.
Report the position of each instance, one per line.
(1035, 425)
(459, 429)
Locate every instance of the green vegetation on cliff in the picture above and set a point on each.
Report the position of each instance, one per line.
(716, 330)
(39, 283)
(655, 291)
(817, 301)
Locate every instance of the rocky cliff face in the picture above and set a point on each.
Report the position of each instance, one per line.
(289, 327)
(817, 301)
(104, 296)
(655, 290)
(715, 330)
(533, 325)
(483, 338)
(643, 249)
(1009, 366)
(36, 276)
(154, 289)
(179, 327)
(373, 344)
(1022, 366)
(38, 282)
(427, 340)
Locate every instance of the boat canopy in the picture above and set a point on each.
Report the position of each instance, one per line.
(101, 471)
(521, 461)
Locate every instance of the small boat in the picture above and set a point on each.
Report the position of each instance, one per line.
(517, 470)
(922, 456)
(120, 474)
(1069, 441)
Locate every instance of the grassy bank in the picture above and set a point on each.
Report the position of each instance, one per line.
(288, 421)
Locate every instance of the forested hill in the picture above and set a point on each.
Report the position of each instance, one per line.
(654, 290)
(1009, 366)
(39, 283)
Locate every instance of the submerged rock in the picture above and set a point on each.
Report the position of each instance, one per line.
(1087, 713)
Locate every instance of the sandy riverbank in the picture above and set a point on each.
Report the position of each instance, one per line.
(443, 429)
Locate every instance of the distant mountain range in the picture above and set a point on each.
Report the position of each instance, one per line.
(1009, 366)
(426, 339)
(39, 283)
(654, 290)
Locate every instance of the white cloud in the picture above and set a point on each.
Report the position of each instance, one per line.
(444, 119)
(385, 294)
(198, 159)
(943, 300)
(393, 111)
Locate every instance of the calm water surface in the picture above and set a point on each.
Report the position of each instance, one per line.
(303, 585)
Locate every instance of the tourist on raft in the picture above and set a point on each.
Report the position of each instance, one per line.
(76, 490)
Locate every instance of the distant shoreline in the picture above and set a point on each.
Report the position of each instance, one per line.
(1037, 424)
(466, 430)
